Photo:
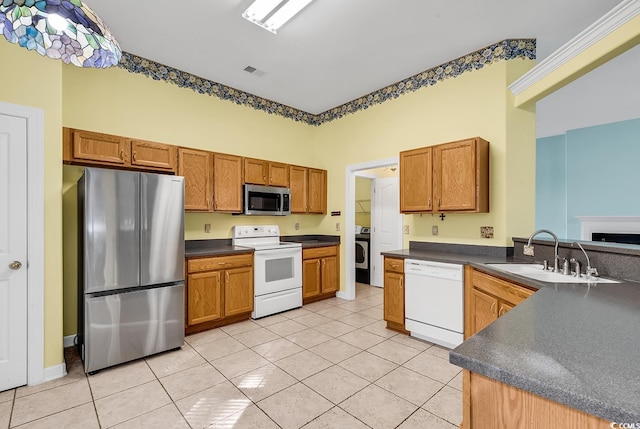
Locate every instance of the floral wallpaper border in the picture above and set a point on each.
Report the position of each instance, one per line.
(505, 50)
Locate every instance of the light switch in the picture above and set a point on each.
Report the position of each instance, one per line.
(207, 228)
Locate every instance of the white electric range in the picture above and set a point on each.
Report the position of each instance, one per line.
(277, 269)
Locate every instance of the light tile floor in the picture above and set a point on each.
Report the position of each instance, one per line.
(331, 364)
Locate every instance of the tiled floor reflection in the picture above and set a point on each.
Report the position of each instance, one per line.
(331, 364)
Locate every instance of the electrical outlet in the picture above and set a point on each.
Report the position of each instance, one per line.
(337, 226)
(297, 226)
(528, 250)
(207, 228)
(434, 230)
(406, 229)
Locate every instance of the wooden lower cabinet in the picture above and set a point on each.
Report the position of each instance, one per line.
(238, 298)
(497, 405)
(219, 291)
(488, 297)
(394, 293)
(320, 273)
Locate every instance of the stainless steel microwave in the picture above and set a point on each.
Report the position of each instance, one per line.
(267, 200)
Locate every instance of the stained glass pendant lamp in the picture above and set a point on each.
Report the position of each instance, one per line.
(63, 29)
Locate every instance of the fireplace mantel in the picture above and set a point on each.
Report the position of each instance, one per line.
(611, 224)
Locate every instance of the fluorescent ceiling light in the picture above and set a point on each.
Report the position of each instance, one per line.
(273, 14)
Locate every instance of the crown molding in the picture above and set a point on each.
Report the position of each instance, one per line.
(614, 19)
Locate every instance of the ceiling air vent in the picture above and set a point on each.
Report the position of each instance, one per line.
(254, 71)
(250, 69)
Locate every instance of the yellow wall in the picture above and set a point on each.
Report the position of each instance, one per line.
(473, 104)
(363, 194)
(31, 80)
(115, 101)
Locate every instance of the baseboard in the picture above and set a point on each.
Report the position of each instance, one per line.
(344, 295)
(53, 372)
(68, 341)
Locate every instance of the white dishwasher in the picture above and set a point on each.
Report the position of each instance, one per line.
(434, 301)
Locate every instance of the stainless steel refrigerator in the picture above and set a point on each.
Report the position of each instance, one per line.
(131, 265)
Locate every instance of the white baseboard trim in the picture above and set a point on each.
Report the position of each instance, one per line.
(68, 341)
(53, 372)
(344, 295)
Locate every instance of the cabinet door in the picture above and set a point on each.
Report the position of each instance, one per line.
(238, 291)
(278, 174)
(298, 186)
(227, 183)
(394, 297)
(311, 277)
(329, 274)
(100, 148)
(204, 297)
(317, 191)
(455, 176)
(195, 166)
(484, 310)
(416, 180)
(503, 307)
(255, 171)
(153, 155)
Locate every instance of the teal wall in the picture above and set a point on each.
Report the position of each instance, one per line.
(598, 174)
(551, 185)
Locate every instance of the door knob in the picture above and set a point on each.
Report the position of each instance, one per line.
(15, 265)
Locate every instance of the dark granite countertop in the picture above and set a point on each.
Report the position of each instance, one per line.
(316, 240)
(576, 344)
(215, 247)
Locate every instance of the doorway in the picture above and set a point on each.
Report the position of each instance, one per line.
(370, 170)
(21, 246)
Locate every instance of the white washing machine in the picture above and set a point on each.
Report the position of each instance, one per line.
(362, 256)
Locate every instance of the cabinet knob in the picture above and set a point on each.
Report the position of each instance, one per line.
(15, 265)
(493, 307)
(502, 311)
(122, 154)
(134, 156)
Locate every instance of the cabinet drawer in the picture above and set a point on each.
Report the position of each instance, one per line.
(394, 264)
(219, 263)
(502, 289)
(319, 252)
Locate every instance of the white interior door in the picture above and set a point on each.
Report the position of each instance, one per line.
(387, 224)
(13, 252)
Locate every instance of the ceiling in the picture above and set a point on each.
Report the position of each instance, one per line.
(335, 50)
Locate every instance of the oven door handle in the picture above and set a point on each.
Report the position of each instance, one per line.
(280, 252)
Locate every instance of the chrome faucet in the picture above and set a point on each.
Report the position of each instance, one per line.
(590, 271)
(528, 248)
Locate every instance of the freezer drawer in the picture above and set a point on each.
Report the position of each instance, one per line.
(127, 326)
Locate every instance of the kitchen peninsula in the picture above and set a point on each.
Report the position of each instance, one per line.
(567, 356)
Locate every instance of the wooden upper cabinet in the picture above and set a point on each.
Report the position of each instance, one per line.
(256, 171)
(196, 167)
(155, 155)
(317, 194)
(266, 173)
(97, 147)
(451, 177)
(88, 148)
(278, 174)
(227, 183)
(461, 176)
(298, 183)
(416, 178)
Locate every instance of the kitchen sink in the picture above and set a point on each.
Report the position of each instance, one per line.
(535, 271)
